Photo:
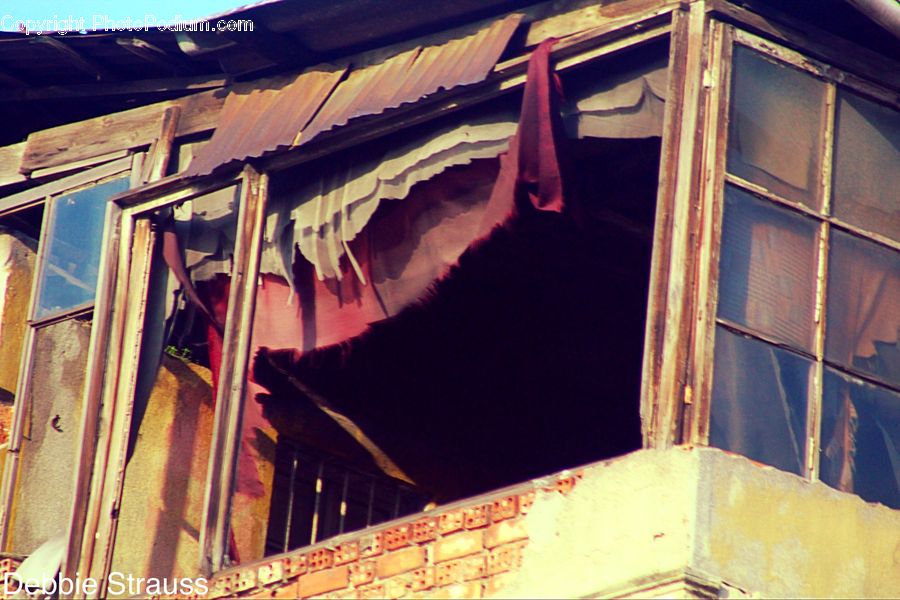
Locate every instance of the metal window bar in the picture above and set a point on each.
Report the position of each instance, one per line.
(327, 497)
(371, 502)
(343, 517)
(318, 504)
(290, 502)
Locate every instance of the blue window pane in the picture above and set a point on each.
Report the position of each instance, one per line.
(860, 449)
(72, 252)
(759, 401)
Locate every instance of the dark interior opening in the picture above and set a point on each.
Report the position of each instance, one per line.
(524, 360)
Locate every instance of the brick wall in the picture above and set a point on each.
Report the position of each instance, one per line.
(470, 549)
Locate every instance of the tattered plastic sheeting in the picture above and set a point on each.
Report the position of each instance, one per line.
(207, 227)
(333, 210)
(39, 570)
(324, 216)
(775, 132)
(627, 105)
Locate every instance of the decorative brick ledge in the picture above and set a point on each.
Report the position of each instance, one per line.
(468, 549)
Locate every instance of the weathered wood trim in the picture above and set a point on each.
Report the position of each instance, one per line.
(161, 149)
(77, 165)
(37, 194)
(588, 17)
(21, 404)
(759, 190)
(123, 401)
(226, 436)
(814, 403)
(711, 187)
(95, 369)
(10, 159)
(147, 201)
(797, 35)
(817, 68)
(671, 298)
(129, 129)
(115, 88)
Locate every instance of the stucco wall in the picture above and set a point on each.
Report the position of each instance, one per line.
(767, 531)
(162, 501)
(50, 443)
(678, 523)
(17, 254)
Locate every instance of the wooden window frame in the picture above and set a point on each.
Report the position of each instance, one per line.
(45, 194)
(677, 369)
(112, 375)
(681, 326)
(101, 463)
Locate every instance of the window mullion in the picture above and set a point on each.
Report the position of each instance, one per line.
(814, 409)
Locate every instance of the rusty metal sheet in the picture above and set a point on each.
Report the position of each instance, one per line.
(265, 115)
(413, 75)
(269, 114)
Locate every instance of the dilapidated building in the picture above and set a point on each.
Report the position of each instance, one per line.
(481, 298)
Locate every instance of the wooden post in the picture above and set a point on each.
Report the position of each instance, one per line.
(671, 304)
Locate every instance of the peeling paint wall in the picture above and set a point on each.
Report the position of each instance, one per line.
(51, 434)
(162, 501)
(17, 255)
(767, 531)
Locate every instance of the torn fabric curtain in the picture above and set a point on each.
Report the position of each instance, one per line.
(325, 213)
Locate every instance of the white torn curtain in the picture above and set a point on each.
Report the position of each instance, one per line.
(626, 105)
(323, 216)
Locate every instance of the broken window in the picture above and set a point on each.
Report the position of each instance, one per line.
(71, 253)
(416, 342)
(160, 515)
(51, 243)
(807, 359)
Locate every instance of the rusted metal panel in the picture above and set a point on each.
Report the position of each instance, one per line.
(412, 75)
(274, 113)
(265, 115)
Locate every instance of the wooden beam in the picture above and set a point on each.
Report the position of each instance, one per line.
(112, 89)
(276, 47)
(128, 129)
(89, 66)
(156, 55)
(161, 150)
(10, 159)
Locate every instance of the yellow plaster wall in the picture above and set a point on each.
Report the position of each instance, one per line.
(774, 533)
(17, 254)
(162, 500)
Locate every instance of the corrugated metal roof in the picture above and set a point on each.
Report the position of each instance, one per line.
(265, 115)
(412, 75)
(272, 113)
